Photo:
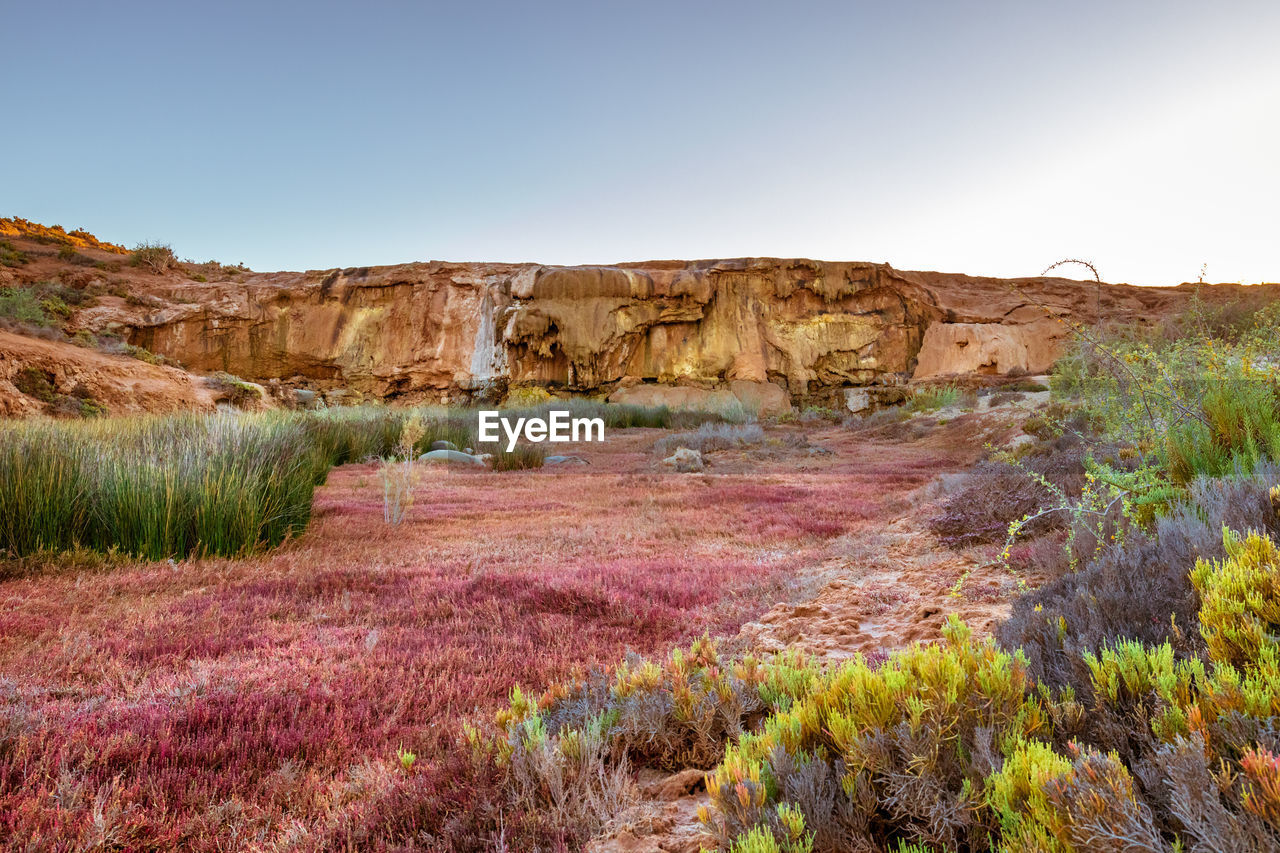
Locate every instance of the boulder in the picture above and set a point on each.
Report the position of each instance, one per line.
(765, 399)
(451, 457)
(685, 461)
(442, 444)
(857, 400)
(957, 349)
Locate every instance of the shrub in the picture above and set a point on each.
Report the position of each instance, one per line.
(1190, 405)
(142, 354)
(34, 382)
(1141, 589)
(711, 437)
(1047, 802)
(236, 391)
(997, 492)
(1240, 599)
(23, 305)
(156, 257)
(817, 414)
(1240, 423)
(672, 715)
(70, 255)
(1000, 398)
(910, 743)
(10, 256)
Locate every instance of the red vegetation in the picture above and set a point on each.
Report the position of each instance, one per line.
(218, 704)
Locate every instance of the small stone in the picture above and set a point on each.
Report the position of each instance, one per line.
(443, 445)
(685, 461)
(565, 460)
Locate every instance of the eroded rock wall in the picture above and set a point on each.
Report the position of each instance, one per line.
(445, 330)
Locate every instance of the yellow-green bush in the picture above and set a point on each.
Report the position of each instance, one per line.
(1240, 601)
(913, 740)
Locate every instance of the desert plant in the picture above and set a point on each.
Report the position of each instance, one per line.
(397, 472)
(1003, 489)
(11, 256)
(711, 437)
(236, 391)
(911, 741)
(153, 256)
(23, 305)
(1140, 589)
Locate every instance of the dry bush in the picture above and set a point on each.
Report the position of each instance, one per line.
(711, 437)
(155, 257)
(996, 493)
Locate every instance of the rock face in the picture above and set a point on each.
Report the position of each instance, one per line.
(760, 331)
(961, 348)
(120, 385)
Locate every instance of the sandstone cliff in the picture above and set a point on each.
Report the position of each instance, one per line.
(763, 330)
(449, 330)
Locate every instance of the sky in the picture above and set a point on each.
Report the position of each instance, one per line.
(992, 138)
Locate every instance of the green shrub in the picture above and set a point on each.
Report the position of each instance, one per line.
(236, 391)
(955, 746)
(23, 305)
(1240, 601)
(910, 742)
(34, 382)
(10, 256)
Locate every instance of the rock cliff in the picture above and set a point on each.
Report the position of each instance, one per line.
(762, 331)
(447, 330)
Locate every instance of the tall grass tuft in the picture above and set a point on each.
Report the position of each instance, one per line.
(155, 487)
(934, 398)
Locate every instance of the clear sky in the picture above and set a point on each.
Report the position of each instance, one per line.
(982, 137)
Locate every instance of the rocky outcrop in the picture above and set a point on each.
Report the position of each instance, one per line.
(38, 376)
(951, 349)
(448, 331)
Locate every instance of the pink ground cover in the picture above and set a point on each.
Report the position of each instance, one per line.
(215, 704)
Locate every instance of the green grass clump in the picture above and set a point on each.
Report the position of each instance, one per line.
(155, 487)
(932, 399)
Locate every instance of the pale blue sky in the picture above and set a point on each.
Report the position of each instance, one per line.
(982, 137)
